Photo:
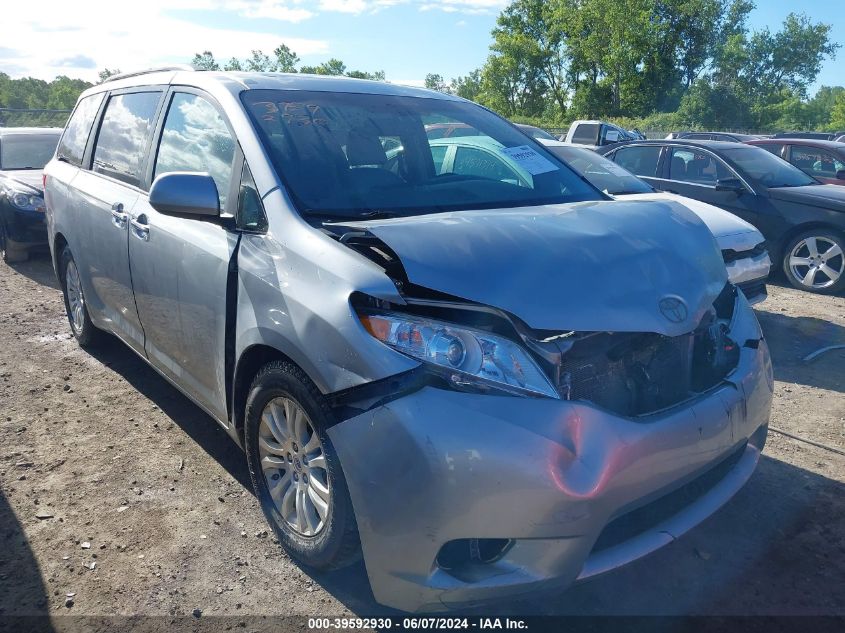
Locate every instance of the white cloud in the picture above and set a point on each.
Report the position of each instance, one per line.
(128, 36)
(273, 10)
(464, 6)
(414, 83)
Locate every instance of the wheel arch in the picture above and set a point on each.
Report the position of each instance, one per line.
(796, 230)
(59, 244)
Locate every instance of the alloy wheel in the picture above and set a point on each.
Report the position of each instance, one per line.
(294, 466)
(817, 262)
(75, 299)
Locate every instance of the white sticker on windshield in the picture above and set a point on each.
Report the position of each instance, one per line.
(529, 160)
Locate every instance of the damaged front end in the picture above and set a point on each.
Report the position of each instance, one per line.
(508, 460)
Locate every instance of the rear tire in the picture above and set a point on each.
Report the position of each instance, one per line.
(83, 329)
(815, 261)
(288, 449)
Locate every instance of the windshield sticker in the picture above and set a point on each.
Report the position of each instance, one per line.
(529, 160)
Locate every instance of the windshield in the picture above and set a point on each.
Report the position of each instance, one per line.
(603, 173)
(766, 168)
(344, 155)
(27, 151)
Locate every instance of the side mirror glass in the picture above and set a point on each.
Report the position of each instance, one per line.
(730, 184)
(612, 136)
(840, 175)
(185, 193)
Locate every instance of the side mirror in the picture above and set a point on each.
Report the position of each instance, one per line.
(185, 193)
(840, 175)
(612, 136)
(730, 184)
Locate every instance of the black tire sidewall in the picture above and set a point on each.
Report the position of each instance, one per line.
(87, 335)
(787, 253)
(329, 548)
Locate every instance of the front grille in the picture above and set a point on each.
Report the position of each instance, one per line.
(730, 255)
(631, 374)
(637, 521)
(635, 374)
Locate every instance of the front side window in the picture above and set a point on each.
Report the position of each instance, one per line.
(27, 151)
(75, 138)
(688, 165)
(639, 159)
(195, 138)
(123, 136)
(329, 149)
(816, 162)
(770, 171)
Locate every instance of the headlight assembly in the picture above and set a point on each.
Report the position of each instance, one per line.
(464, 356)
(25, 201)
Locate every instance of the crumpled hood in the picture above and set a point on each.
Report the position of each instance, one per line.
(824, 196)
(29, 178)
(591, 266)
(722, 224)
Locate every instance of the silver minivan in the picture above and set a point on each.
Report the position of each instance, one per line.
(485, 386)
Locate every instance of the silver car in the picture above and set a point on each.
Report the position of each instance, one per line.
(485, 385)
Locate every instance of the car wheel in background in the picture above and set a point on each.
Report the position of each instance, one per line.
(295, 471)
(815, 261)
(10, 251)
(85, 332)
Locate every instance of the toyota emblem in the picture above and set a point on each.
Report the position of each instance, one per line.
(674, 309)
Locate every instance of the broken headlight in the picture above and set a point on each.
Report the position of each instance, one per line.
(464, 356)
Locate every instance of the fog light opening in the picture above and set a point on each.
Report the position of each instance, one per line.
(467, 552)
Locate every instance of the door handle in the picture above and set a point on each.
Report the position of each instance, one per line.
(141, 228)
(118, 217)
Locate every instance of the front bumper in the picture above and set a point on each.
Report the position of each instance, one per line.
(27, 228)
(436, 466)
(750, 274)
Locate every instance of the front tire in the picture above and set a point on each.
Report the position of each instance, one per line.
(11, 251)
(295, 471)
(815, 261)
(83, 329)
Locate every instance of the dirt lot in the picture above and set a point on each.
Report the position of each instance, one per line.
(118, 490)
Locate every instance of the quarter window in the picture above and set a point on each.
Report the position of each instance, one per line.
(123, 135)
(773, 148)
(251, 216)
(72, 146)
(195, 138)
(586, 134)
(639, 159)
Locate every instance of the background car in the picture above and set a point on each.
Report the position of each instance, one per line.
(595, 134)
(823, 160)
(743, 247)
(818, 136)
(803, 220)
(23, 154)
(535, 132)
(714, 136)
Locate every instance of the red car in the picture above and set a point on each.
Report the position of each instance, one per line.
(823, 160)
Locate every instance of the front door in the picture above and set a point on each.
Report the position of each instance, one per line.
(180, 265)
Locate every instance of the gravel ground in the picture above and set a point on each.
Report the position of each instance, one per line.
(119, 493)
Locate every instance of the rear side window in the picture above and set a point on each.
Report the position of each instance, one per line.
(639, 159)
(123, 136)
(586, 134)
(72, 146)
(816, 162)
(195, 138)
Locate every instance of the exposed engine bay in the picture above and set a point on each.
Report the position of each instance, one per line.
(629, 373)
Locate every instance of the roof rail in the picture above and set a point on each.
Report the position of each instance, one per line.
(151, 70)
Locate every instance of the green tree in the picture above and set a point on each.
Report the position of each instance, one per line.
(837, 114)
(468, 87)
(434, 81)
(286, 59)
(105, 73)
(205, 61)
(233, 64)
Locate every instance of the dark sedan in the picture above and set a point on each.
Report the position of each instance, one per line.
(823, 160)
(23, 154)
(802, 219)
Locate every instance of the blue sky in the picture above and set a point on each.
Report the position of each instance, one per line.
(405, 38)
